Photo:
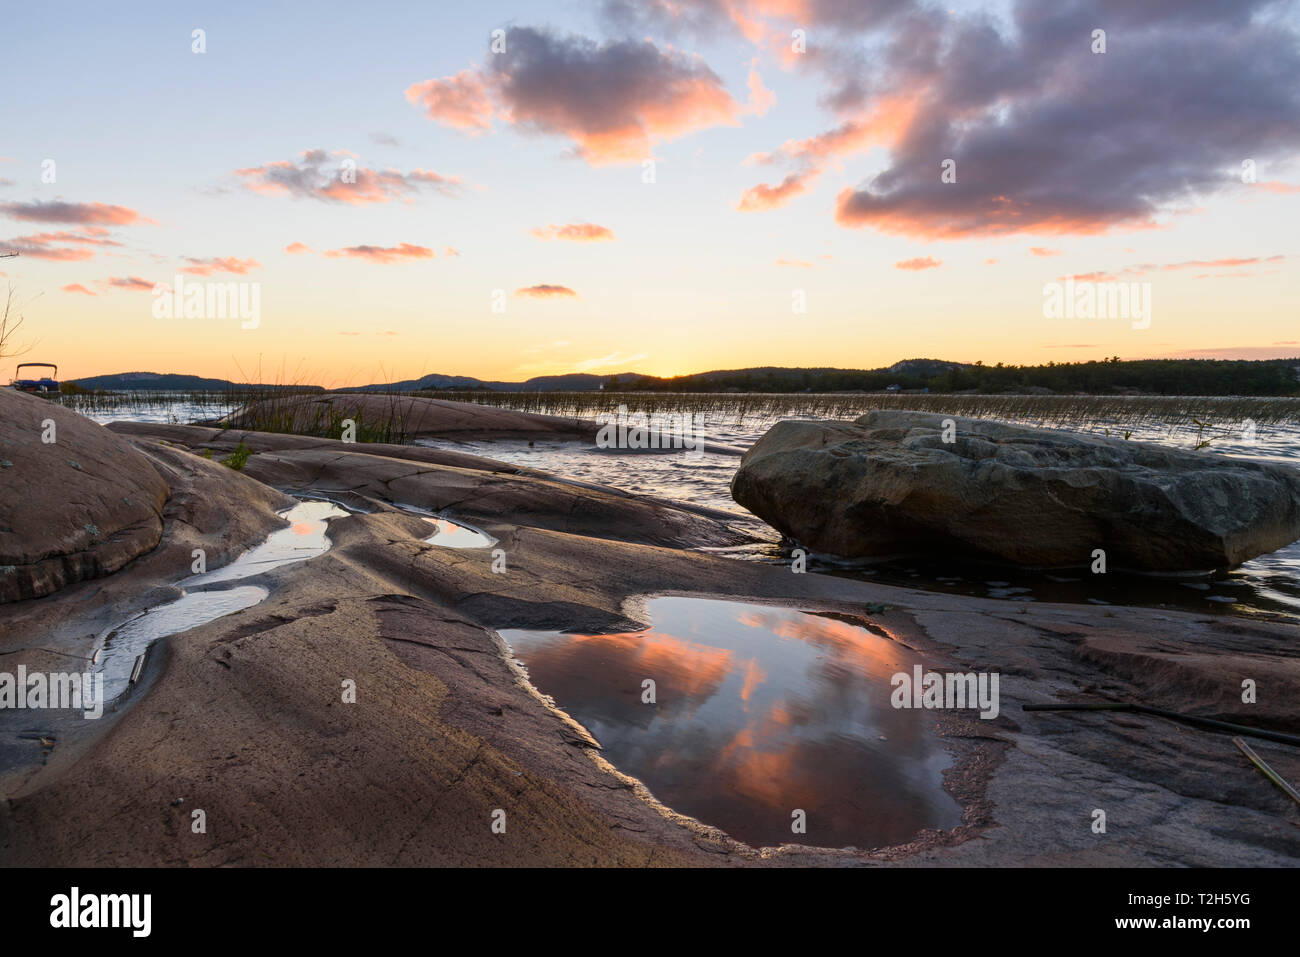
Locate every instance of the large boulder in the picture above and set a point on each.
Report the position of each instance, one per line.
(888, 484)
(76, 500)
(400, 418)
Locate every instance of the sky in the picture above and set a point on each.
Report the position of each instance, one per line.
(504, 190)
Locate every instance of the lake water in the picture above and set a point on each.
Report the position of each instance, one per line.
(1270, 583)
(758, 712)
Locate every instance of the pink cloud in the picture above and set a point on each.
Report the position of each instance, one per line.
(763, 197)
(56, 211)
(316, 176)
(544, 291)
(128, 282)
(575, 232)
(54, 246)
(459, 101)
(76, 287)
(612, 100)
(881, 125)
(1223, 263)
(206, 267)
(919, 263)
(1089, 277)
(297, 249)
(402, 252)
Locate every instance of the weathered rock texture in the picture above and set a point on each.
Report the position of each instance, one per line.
(888, 484)
(76, 500)
(402, 417)
(466, 487)
(242, 717)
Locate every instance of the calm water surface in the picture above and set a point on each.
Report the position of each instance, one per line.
(759, 711)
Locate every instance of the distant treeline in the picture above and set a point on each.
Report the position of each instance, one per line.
(1270, 377)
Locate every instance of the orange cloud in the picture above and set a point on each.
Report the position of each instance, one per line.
(575, 232)
(76, 287)
(128, 282)
(612, 100)
(55, 211)
(1044, 251)
(52, 253)
(544, 291)
(1223, 263)
(383, 254)
(763, 197)
(1000, 216)
(761, 99)
(316, 176)
(1089, 277)
(206, 267)
(883, 125)
(919, 263)
(53, 246)
(459, 101)
(297, 249)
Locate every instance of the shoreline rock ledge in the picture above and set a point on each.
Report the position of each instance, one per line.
(76, 501)
(888, 484)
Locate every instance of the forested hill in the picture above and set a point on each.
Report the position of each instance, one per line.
(1106, 377)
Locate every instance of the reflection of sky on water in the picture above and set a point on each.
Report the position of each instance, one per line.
(200, 603)
(448, 534)
(760, 711)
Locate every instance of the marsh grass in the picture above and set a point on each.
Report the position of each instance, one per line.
(1119, 411)
(89, 402)
(308, 414)
(291, 409)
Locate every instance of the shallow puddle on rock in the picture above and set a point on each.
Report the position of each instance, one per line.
(760, 711)
(132, 638)
(123, 643)
(451, 535)
(304, 538)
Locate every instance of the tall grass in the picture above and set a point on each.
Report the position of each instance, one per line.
(290, 410)
(309, 414)
(1039, 409)
(211, 404)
